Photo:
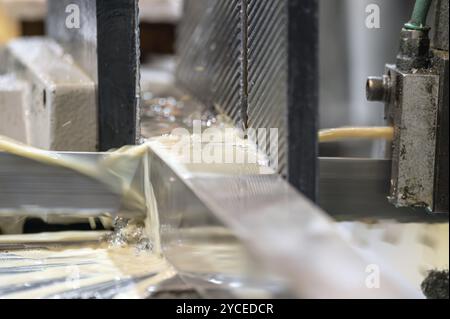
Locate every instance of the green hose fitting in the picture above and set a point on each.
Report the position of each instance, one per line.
(419, 17)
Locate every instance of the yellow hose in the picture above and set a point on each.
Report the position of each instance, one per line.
(346, 133)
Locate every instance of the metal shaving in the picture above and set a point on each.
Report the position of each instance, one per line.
(129, 232)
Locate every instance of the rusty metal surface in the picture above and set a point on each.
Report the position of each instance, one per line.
(416, 94)
(413, 109)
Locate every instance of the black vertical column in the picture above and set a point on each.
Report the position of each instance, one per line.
(303, 100)
(106, 47)
(118, 72)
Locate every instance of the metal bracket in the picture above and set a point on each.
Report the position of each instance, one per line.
(413, 110)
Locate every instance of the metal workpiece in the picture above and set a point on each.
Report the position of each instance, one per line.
(413, 111)
(273, 226)
(105, 46)
(32, 189)
(234, 233)
(206, 254)
(351, 189)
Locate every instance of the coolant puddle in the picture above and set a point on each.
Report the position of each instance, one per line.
(81, 265)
